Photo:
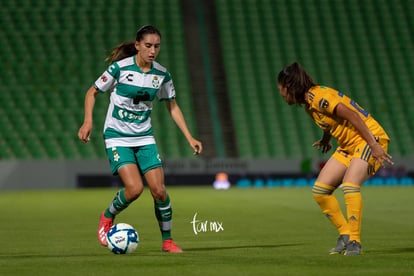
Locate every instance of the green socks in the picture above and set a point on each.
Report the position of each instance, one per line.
(118, 204)
(163, 212)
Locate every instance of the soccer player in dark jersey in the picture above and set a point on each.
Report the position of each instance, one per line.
(362, 150)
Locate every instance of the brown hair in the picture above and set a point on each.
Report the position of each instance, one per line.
(123, 50)
(296, 80)
(127, 49)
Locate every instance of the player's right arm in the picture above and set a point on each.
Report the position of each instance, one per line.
(324, 145)
(85, 130)
(106, 82)
(351, 116)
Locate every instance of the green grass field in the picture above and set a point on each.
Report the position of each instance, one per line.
(277, 231)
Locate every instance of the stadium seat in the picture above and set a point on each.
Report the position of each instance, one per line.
(52, 52)
(352, 46)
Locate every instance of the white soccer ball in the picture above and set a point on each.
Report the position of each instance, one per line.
(122, 238)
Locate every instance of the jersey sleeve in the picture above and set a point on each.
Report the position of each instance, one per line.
(167, 90)
(108, 80)
(326, 99)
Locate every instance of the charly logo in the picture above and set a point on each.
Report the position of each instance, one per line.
(202, 226)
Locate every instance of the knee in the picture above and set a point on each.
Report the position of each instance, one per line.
(132, 193)
(319, 190)
(159, 194)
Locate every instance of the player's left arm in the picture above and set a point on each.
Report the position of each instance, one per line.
(178, 117)
(351, 116)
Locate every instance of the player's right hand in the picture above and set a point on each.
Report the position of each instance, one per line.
(84, 133)
(323, 147)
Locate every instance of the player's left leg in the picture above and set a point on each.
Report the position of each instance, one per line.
(361, 167)
(355, 176)
(354, 206)
(151, 167)
(162, 207)
(162, 203)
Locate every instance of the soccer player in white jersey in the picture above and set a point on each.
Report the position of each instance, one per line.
(134, 80)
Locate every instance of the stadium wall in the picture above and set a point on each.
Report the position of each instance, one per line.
(242, 173)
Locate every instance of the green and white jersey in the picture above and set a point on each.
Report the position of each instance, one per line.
(128, 120)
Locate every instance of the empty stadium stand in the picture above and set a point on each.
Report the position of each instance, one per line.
(52, 51)
(363, 48)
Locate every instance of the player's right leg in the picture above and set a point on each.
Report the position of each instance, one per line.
(104, 225)
(328, 180)
(122, 162)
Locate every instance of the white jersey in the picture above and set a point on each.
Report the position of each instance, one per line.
(128, 120)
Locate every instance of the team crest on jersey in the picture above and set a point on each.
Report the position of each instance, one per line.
(323, 104)
(155, 82)
(115, 154)
(104, 78)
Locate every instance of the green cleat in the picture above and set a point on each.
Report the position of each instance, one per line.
(340, 245)
(353, 248)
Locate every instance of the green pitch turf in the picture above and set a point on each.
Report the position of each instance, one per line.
(277, 231)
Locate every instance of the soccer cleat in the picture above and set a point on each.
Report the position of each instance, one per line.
(340, 245)
(171, 247)
(104, 225)
(353, 248)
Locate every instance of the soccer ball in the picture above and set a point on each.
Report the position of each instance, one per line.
(122, 238)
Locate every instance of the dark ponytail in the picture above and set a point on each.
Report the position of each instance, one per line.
(296, 80)
(123, 50)
(127, 49)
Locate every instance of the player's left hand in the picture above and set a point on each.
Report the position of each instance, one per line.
(197, 146)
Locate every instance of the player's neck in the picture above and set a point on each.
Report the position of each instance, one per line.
(143, 65)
